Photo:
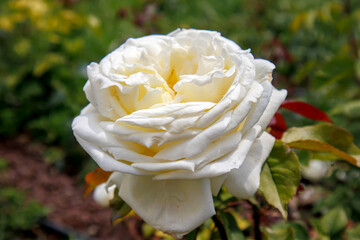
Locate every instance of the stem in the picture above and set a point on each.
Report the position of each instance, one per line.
(256, 218)
(220, 227)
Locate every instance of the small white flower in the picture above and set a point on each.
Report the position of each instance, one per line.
(103, 195)
(175, 117)
(316, 170)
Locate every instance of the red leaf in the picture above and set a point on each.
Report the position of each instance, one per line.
(94, 178)
(276, 133)
(278, 122)
(305, 110)
(278, 125)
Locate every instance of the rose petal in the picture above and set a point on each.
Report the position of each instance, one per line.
(86, 126)
(145, 136)
(277, 97)
(106, 161)
(217, 149)
(244, 181)
(216, 184)
(242, 110)
(220, 166)
(175, 207)
(101, 92)
(196, 144)
(161, 117)
(209, 88)
(165, 166)
(234, 95)
(264, 70)
(257, 109)
(115, 179)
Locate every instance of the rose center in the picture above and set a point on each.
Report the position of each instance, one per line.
(172, 79)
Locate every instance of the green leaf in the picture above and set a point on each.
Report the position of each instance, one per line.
(291, 231)
(281, 234)
(280, 177)
(304, 156)
(323, 132)
(316, 223)
(300, 231)
(233, 231)
(192, 235)
(332, 223)
(353, 233)
(350, 109)
(324, 137)
(121, 208)
(147, 231)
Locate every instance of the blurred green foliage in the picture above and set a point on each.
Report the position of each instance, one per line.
(18, 214)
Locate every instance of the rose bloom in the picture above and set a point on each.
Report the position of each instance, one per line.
(176, 117)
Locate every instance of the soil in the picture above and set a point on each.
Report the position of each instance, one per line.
(70, 214)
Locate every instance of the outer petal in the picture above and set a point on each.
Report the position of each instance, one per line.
(175, 207)
(257, 109)
(198, 143)
(114, 179)
(244, 181)
(100, 143)
(264, 69)
(106, 161)
(223, 165)
(277, 97)
(161, 117)
(216, 184)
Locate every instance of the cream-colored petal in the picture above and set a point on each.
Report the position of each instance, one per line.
(247, 60)
(176, 110)
(87, 126)
(129, 155)
(277, 97)
(258, 108)
(105, 160)
(242, 110)
(175, 207)
(225, 124)
(217, 149)
(101, 92)
(234, 95)
(158, 123)
(263, 70)
(145, 136)
(216, 184)
(161, 118)
(165, 166)
(244, 181)
(115, 179)
(223, 165)
(210, 88)
(196, 144)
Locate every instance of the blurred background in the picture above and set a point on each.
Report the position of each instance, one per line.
(45, 46)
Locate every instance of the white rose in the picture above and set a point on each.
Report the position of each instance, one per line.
(175, 117)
